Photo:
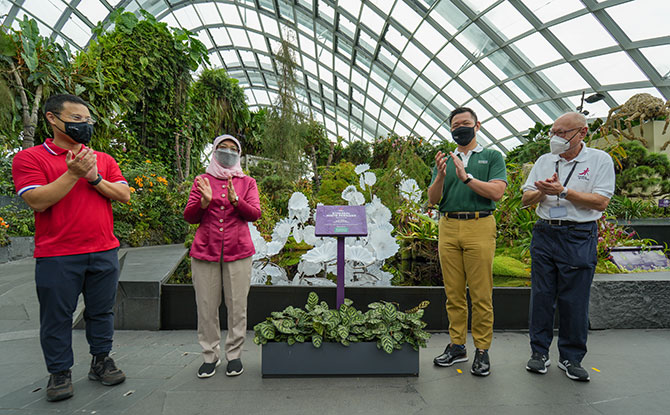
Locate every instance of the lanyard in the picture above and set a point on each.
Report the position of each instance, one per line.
(567, 179)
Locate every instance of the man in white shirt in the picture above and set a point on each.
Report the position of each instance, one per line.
(572, 186)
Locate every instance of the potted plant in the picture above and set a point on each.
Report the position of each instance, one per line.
(318, 340)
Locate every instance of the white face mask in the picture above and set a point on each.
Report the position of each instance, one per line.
(226, 157)
(558, 145)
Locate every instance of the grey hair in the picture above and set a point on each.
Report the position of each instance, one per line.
(577, 116)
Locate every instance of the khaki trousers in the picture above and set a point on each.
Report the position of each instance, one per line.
(466, 249)
(208, 279)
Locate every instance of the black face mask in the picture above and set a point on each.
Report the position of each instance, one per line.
(463, 135)
(80, 132)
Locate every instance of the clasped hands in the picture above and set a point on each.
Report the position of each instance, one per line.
(441, 163)
(84, 164)
(206, 191)
(550, 186)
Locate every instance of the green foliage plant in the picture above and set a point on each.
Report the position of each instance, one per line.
(358, 152)
(30, 66)
(334, 180)
(642, 174)
(514, 220)
(382, 323)
(17, 220)
(137, 78)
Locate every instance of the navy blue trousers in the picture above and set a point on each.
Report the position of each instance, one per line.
(563, 263)
(59, 282)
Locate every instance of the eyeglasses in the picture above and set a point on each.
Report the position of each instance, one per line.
(79, 118)
(563, 133)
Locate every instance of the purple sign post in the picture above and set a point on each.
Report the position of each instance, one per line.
(340, 221)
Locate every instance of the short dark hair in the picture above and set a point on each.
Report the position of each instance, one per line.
(55, 102)
(461, 110)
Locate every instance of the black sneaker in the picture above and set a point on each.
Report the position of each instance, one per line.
(106, 372)
(234, 367)
(208, 369)
(60, 386)
(538, 363)
(481, 363)
(452, 354)
(574, 370)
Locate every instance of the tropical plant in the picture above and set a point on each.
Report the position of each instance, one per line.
(31, 66)
(383, 323)
(137, 78)
(642, 174)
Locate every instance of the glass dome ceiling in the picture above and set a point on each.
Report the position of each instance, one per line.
(369, 67)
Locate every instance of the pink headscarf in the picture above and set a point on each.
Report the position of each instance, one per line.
(217, 170)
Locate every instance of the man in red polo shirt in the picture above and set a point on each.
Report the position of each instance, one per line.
(70, 187)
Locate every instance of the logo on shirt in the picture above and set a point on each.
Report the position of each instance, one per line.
(584, 175)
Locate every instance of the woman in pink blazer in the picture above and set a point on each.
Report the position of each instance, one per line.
(222, 201)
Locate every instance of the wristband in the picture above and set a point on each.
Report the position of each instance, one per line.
(96, 181)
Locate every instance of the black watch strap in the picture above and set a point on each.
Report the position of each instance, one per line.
(96, 181)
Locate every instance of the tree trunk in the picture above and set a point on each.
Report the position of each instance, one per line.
(180, 174)
(29, 117)
(330, 155)
(187, 156)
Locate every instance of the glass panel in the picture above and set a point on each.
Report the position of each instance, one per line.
(383, 5)
(415, 56)
(77, 30)
(622, 96)
(270, 25)
(503, 62)
(493, 68)
(406, 16)
(642, 19)
(248, 58)
(479, 5)
(550, 10)
(266, 62)
(257, 41)
(497, 99)
(372, 19)
(187, 17)
(614, 68)
(250, 18)
(565, 78)
(204, 38)
(48, 12)
(239, 37)
(230, 58)
(457, 93)
(220, 36)
(326, 12)
(430, 38)
(391, 104)
(541, 114)
(494, 127)
(395, 38)
(367, 42)
(309, 65)
(346, 26)
(449, 17)
(207, 12)
(436, 74)
(476, 41)
(453, 58)
(476, 79)
(583, 34)
(658, 57)
(93, 10)
(519, 119)
(536, 50)
(511, 143)
(507, 21)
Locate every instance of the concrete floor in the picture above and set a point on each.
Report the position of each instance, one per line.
(631, 378)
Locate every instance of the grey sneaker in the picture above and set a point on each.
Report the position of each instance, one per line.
(574, 370)
(208, 369)
(234, 367)
(106, 372)
(538, 363)
(60, 386)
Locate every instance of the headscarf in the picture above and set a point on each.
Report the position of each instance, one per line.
(217, 170)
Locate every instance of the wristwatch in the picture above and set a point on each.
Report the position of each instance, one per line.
(470, 177)
(96, 181)
(563, 194)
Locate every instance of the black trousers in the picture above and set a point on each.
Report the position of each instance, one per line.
(59, 282)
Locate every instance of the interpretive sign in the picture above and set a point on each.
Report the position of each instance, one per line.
(340, 221)
(664, 203)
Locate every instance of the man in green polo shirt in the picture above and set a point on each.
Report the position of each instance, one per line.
(466, 184)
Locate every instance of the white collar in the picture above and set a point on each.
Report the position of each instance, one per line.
(477, 149)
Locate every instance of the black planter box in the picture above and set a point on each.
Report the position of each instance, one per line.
(657, 229)
(333, 359)
(178, 309)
